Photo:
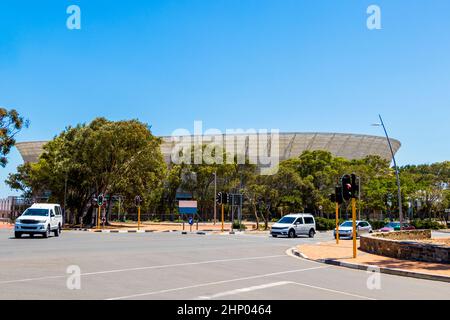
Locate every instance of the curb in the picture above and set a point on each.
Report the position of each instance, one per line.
(195, 232)
(365, 267)
(122, 231)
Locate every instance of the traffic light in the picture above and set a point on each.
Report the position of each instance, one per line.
(347, 188)
(219, 198)
(338, 195)
(350, 187)
(100, 200)
(222, 198)
(355, 186)
(137, 201)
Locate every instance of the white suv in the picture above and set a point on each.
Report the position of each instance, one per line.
(40, 218)
(293, 225)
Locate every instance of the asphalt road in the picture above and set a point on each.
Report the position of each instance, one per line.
(176, 266)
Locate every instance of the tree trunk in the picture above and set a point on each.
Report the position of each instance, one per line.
(256, 216)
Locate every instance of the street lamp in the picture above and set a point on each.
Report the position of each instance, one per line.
(400, 213)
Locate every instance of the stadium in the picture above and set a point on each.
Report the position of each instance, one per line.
(289, 145)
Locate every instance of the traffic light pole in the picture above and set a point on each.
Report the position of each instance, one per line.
(337, 223)
(98, 216)
(354, 226)
(139, 217)
(223, 217)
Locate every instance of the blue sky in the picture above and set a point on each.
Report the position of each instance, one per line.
(293, 65)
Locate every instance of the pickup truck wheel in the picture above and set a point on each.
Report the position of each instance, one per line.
(17, 235)
(47, 233)
(56, 232)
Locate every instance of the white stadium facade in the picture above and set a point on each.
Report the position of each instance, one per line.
(289, 145)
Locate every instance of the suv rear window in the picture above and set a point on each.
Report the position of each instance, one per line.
(308, 220)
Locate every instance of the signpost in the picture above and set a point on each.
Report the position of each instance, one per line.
(191, 222)
(188, 207)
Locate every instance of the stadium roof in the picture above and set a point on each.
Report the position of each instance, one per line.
(349, 146)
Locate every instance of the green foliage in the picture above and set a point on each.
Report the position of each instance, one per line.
(236, 225)
(102, 157)
(377, 224)
(11, 123)
(124, 158)
(323, 224)
(427, 224)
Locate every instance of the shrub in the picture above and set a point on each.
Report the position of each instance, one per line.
(324, 224)
(236, 225)
(427, 224)
(377, 224)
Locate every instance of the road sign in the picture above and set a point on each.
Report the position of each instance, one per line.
(191, 221)
(187, 207)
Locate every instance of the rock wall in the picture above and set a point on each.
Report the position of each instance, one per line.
(401, 245)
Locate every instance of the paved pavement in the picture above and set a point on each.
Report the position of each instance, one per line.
(175, 266)
(343, 252)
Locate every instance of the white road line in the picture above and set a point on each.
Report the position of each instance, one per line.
(334, 291)
(277, 284)
(216, 283)
(147, 268)
(243, 290)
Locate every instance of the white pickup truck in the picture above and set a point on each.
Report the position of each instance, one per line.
(40, 218)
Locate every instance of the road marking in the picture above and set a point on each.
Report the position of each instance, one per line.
(146, 268)
(277, 284)
(334, 291)
(243, 290)
(217, 282)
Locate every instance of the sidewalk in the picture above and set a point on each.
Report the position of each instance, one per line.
(331, 253)
(4, 225)
(171, 226)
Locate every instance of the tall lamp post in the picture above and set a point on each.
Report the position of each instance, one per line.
(400, 212)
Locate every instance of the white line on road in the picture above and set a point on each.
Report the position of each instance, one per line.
(244, 290)
(217, 282)
(277, 284)
(147, 268)
(331, 290)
